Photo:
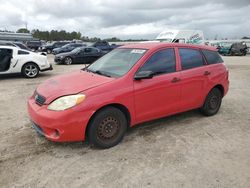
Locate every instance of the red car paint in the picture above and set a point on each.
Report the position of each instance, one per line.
(145, 100)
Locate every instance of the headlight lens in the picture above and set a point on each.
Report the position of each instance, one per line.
(66, 102)
(61, 57)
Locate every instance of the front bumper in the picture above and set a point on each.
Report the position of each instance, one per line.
(59, 126)
(58, 60)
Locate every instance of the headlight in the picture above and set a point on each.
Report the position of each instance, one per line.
(61, 57)
(66, 102)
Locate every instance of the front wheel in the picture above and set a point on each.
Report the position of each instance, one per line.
(212, 103)
(68, 60)
(30, 70)
(107, 128)
(49, 51)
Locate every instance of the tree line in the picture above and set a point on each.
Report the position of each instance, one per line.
(52, 35)
(55, 35)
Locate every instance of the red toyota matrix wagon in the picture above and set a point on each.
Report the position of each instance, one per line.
(130, 85)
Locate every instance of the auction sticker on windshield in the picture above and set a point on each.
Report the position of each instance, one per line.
(137, 51)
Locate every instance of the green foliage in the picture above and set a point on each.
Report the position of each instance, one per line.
(23, 30)
(55, 35)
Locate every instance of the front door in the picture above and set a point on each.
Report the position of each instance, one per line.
(160, 95)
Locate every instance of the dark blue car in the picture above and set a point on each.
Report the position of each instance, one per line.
(67, 48)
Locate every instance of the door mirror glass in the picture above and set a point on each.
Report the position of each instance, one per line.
(144, 75)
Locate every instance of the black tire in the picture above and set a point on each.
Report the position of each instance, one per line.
(212, 103)
(49, 51)
(68, 61)
(30, 70)
(107, 128)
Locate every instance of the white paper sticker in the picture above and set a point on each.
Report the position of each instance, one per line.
(137, 51)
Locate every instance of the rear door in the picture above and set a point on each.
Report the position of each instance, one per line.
(193, 78)
(160, 95)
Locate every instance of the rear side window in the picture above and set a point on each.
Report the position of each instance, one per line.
(161, 62)
(212, 57)
(190, 58)
(21, 52)
(88, 50)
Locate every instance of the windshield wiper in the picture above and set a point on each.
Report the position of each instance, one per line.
(96, 72)
(101, 73)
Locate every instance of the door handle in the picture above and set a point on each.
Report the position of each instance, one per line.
(206, 73)
(175, 79)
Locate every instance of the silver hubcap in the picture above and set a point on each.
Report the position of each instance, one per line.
(68, 61)
(31, 71)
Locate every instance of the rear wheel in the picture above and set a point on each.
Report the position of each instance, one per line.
(107, 128)
(30, 70)
(212, 103)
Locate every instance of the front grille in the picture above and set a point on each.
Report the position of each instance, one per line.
(40, 100)
(38, 129)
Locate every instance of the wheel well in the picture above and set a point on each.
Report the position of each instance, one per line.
(31, 62)
(221, 88)
(116, 105)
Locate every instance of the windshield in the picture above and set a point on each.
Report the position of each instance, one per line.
(117, 62)
(77, 49)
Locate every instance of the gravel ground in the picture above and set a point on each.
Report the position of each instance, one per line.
(185, 150)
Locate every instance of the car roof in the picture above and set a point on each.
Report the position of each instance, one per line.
(9, 47)
(158, 45)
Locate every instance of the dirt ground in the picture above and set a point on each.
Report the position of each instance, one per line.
(186, 150)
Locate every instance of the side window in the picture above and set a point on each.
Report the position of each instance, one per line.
(87, 50)
(190, 58)
(212, 57)
(161, 62)
(21, 52)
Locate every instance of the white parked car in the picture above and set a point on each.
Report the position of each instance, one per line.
(16, 60)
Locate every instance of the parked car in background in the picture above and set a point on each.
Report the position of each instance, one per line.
(16, 60)
(129, 85)
(67, 48)
(16, 44)
(49, 47)
(104, 46)
(21, 45)
(85, 55)
(237, 48)
(34, 45)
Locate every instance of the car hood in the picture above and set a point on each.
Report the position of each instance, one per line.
(57, 49)
(47, 45)
(69, 84)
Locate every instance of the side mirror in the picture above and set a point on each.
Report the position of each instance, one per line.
(144, 75)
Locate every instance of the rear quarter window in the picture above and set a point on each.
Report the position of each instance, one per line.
(190, 58)
(21, 52)
(212, 57)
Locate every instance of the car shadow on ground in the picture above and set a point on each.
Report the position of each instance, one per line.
(20, 76)
(142, 129)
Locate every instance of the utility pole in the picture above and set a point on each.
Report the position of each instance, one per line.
(26, 25)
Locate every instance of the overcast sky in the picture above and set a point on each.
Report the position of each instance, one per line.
(130, 18)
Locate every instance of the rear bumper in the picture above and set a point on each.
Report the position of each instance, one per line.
(47, 69)
(59, 126)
